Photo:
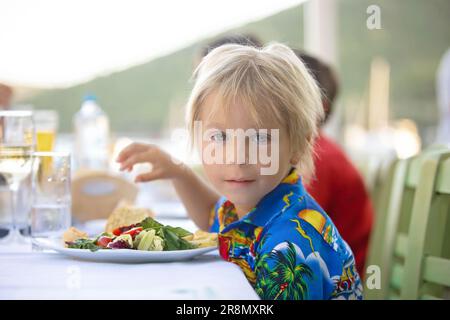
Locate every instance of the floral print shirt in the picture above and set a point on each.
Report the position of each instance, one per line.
(287, 246)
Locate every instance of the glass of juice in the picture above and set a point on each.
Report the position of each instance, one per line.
(46, 123)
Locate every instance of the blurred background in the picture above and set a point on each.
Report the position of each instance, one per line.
(135, 58)
(138, 56)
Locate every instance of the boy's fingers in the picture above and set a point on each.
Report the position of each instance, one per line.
(129, 150)
(149, 176)
(136, 158)
(130, 161)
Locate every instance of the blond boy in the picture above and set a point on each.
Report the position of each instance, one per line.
(255, 105)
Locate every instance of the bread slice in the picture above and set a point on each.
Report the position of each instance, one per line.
(125, 215)
(72, 234)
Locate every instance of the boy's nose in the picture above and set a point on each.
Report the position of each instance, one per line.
(237, 152)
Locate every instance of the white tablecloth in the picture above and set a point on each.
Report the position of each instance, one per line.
(47, 275)
(34, 275)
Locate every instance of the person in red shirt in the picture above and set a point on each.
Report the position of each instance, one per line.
(338, 187)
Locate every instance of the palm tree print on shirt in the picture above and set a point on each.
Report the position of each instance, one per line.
(282, 275)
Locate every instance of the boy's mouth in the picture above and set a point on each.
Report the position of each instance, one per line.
(239, 182)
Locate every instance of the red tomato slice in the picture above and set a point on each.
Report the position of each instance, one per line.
(103, 241)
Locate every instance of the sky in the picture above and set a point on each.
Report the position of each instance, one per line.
(58, 43)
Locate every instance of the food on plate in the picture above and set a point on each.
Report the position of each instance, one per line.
(73, 234)
(125, 215)
(202, 239)
(124, 241)
(146, 235)
(148, 240)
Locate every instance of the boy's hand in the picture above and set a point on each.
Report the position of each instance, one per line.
(197, 196)
(164, 166)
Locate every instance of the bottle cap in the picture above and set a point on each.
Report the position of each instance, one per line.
(89, 97)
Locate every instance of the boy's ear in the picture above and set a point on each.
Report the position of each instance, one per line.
(295, 158)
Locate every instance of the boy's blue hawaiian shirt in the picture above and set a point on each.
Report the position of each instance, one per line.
(287, 246)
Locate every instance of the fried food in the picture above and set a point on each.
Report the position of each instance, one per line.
(202, 239)
(125, 215)
(72, 234)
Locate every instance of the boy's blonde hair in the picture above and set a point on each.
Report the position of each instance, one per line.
(270, 82)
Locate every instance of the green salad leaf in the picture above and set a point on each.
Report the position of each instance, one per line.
(172, 236)
(150, 223)
(180, 232)
(172, 241)
(83, 244)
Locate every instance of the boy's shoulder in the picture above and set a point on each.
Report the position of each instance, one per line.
(308, 227)
(306, 236)
(309, 221)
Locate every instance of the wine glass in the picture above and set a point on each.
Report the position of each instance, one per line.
(17, 144)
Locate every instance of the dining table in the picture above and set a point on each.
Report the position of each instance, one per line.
(30, 274)
(27, 273)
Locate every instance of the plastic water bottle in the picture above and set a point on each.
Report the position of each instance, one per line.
(92, 137)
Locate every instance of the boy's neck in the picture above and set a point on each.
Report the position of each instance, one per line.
(241, 211)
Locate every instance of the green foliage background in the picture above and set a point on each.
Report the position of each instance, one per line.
(414, 36)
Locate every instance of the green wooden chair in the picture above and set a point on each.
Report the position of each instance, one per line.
(385, 227)
(390, 236)
(426, 272)
(382, 189)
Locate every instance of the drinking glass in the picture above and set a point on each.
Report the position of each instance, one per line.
(46, 123)
(51, 195)
(17, 143)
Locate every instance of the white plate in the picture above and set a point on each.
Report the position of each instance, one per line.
(122, 255)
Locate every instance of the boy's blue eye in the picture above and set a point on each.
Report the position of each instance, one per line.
(261, 138)
(218, 137)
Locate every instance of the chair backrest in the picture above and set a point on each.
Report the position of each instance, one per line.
(382, 189)
(95, 194)
(391, 188)
(427, 261)
(416, 201)
(390, 236)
